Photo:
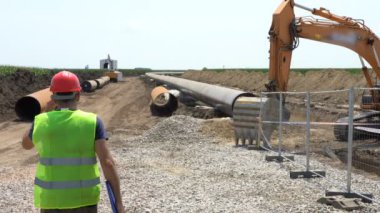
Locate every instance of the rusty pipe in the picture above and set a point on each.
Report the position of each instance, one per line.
(159, 96)
(89, 86)
(33, 104)
(163, 101)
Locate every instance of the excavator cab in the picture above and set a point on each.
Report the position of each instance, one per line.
(371, 99)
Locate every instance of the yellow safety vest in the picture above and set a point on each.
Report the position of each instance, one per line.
(67, 174)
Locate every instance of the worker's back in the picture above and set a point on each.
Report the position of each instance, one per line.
(64, 140)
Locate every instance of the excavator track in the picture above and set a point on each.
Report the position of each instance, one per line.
(366, 125)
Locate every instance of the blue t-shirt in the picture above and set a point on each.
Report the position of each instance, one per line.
(100, 132)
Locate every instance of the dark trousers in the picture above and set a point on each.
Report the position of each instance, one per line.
(85, 209)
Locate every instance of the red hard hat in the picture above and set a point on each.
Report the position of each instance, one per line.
(65, 81)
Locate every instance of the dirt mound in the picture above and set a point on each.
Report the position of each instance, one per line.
(328, 79)
(16, 85)
(323, 80)
(24, 82)
(249, 81)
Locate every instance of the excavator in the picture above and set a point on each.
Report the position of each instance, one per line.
(284, 34)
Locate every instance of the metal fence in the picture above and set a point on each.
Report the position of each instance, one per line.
(328, 135)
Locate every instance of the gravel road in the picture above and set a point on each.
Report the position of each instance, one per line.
(172, 167)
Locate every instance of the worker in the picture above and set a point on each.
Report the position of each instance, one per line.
(67, 141)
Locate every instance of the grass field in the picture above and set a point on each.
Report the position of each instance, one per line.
(301, 70)
(5, 70)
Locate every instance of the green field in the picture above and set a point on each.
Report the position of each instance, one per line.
(5, 70)
(301, 70)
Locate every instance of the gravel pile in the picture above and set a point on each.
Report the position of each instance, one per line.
(174, 168)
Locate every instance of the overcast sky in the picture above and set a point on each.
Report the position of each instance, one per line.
(162, 34)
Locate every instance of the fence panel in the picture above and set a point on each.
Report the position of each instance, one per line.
(329, 135)
(366, 143)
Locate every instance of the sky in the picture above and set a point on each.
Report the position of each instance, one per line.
(162, 34)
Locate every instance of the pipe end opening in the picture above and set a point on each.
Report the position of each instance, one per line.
(27, 108)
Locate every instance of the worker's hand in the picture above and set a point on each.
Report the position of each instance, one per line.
(120, 208)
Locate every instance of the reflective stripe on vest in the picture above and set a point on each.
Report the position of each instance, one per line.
(67, 161)
(66, 184)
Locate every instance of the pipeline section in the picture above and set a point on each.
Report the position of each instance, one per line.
(33, 104)
(221, 98)
(29, 106)
(89, 86)
(164, 102)
(101, 82)
(247, 110)
(92, 85)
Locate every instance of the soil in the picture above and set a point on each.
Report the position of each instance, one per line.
(124, 107)
(16, 85)
(322, 80)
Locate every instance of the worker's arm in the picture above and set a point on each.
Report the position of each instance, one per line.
(27, 142)
(109, 169)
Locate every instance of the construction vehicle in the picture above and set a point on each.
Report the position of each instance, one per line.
(353, 34)
(115, 76)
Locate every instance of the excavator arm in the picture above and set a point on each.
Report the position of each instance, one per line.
(284, 35)
(358, 38)
(338, 30)
(282, 42)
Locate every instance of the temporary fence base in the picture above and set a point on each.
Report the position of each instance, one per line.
(307, 174)
(366, 198)
(257, 148)
(279, 158)
(240, 145)
(340, 202)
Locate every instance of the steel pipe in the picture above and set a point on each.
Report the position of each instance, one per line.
(33, 104)
(101, 82)
(163, 101)
(89, 86)
(221, 98)
(247, 110)
(106, 78)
